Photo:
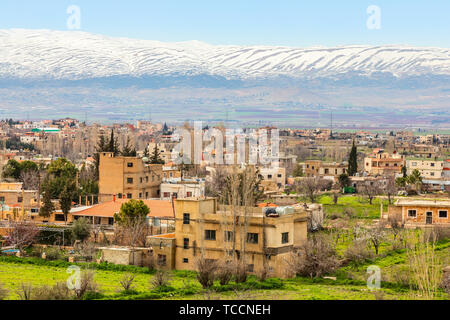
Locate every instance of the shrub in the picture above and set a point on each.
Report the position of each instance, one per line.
(59, 291)
(81, 229)
(160, 279)
(52, 253)
(358, 252)
(87, 284)
(127, 281)
(315, 258)
(25, 291)
(240, 271)
(206, 271)
(3, 292)
(224, 273)
(401, 275)
(349, 212)
(445, 283)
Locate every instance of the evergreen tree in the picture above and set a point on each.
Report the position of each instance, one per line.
(127, 150)
(353, 161)
(65, 199)
(111, 142)
(146, 152)
(404, 172)
(48, 207)
(155, 158)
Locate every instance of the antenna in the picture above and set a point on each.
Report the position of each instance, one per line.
(331, 131)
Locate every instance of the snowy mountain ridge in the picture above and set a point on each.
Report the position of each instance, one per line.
(74, 55)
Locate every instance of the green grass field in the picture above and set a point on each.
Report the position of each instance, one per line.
(13, 274)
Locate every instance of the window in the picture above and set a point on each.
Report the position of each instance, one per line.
(110, 221)
(250, 267)
(279, 175)
(130, 164)
(140, 195)
(120, 196)
(141, 179)
(210, 234)
(166, 194)
(432, 174)
(412, 213)
(432, 164)
(59, 217)
(146, 179)
(443, 214)
(129, 180)
(129, 195)
(285, 237)
(146, 194)
(228, 236)
(252, 238)
(162, 259)
(269, 176)
(185, 260)
(186, 243)
(19, 199)
(189, 194)
(34, 210)
(2, 199)
(186, 218)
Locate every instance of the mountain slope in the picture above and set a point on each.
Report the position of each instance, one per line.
(44, 54)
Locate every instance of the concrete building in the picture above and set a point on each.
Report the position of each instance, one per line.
(204, 227)
(429, 169)
(183, 189)
(273, 179)
(383, 163)
(418, 212)
(326, 170)
(128, 177)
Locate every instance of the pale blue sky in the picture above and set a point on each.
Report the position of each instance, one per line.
(244, 22)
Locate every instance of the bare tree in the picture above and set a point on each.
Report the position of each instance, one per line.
(310, 187)
(315, 258)
(371, 189)
(127, 281)
(396, 223)
(30, 179)
(161, 278)
(390, 188)
(206, 271)
(87, 284)
(376, 235)
(22, 234)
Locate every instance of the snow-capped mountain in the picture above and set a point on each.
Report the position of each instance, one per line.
(68, 55)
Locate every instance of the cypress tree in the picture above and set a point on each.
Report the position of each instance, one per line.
(353, 161)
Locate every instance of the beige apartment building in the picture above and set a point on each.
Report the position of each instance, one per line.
(383, 163)
(204, 227)
(429, 169)
(128, 177)
(318, 168)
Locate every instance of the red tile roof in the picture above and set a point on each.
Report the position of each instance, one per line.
(158, 208)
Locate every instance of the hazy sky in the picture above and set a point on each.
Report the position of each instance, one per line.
(245, 22)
